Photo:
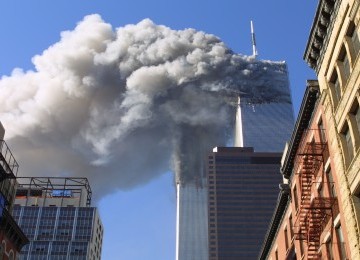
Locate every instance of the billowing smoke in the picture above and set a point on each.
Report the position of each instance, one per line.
(122, 106)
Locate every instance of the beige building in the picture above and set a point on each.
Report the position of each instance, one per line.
(333, 52)
(318, 210)
(308, 222)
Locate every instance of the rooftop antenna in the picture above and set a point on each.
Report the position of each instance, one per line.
(255, 53)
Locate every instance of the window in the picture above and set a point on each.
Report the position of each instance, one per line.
(286, 239)
(2, 248)
(329, 251)
(295, 197)
(341, 242)
(353, 33)
(301, 247)
(321, 190)
(331, 182)
(354, 119)
(357, 116)
(321, 131)
(276, 255)
(11, 255)
(291, 227)
(336, 88)
(349, 147)
(343, 57)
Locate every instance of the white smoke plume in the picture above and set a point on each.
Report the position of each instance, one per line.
(121, 106)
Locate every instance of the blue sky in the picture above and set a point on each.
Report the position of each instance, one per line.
(140, 223)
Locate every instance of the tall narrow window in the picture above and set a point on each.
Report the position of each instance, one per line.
(341, 242)
(353, 33)
(334, 80)
(356, 113)
(329, 251)
(276, 255)
(331, 182)
(301, 247)
(348, 142)
(286, 239)
(322, 131)
(291, 227)
(343, 57)
(295, 197)
(321, 190)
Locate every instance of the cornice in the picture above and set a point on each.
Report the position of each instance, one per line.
(320, 32)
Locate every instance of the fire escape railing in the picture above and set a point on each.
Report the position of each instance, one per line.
(9, 166)
(313, 211)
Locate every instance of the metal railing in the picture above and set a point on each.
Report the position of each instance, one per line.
(8, 163)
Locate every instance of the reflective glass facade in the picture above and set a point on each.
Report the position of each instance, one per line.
(266, 127)
(242, 193)
(191, 230)
(66, 233)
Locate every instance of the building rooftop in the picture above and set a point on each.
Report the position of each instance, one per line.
(41, 189)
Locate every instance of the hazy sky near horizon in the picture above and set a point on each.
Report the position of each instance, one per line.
(140, 223)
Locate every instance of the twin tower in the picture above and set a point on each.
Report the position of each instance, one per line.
(260, 127)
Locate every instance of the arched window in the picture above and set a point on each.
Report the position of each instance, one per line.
(11, 255)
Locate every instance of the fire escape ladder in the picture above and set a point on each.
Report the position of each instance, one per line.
(310, 215)
(306, 180)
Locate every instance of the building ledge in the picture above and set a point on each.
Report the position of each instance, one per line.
(319, 37)
(302, 123)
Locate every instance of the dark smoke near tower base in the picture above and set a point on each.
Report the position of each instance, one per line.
(121, 106)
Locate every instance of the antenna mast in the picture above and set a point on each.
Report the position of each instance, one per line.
(255, 53)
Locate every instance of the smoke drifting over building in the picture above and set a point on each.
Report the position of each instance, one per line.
(121, 106)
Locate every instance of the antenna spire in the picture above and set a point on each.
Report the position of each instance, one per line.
(255, 53)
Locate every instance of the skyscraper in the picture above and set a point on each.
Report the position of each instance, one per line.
(56, 216)
(266, 126)
(242, 188)
(263, 125)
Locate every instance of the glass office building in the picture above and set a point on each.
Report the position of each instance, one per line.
(242, 192)
(56, 216)
(263, 125)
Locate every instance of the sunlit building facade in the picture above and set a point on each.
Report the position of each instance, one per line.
(333, 51)
(56, 216)
(311, 224)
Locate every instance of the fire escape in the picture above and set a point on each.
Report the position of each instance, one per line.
(9, 166)
(314, 211)
(8, 171)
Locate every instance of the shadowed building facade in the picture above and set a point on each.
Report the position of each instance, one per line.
(12, 238)
(242, 191)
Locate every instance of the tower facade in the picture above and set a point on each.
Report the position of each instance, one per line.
(242, 191)
(56, 216)
(265, 126)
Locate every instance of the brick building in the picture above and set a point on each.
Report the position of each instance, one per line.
(321, 167)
